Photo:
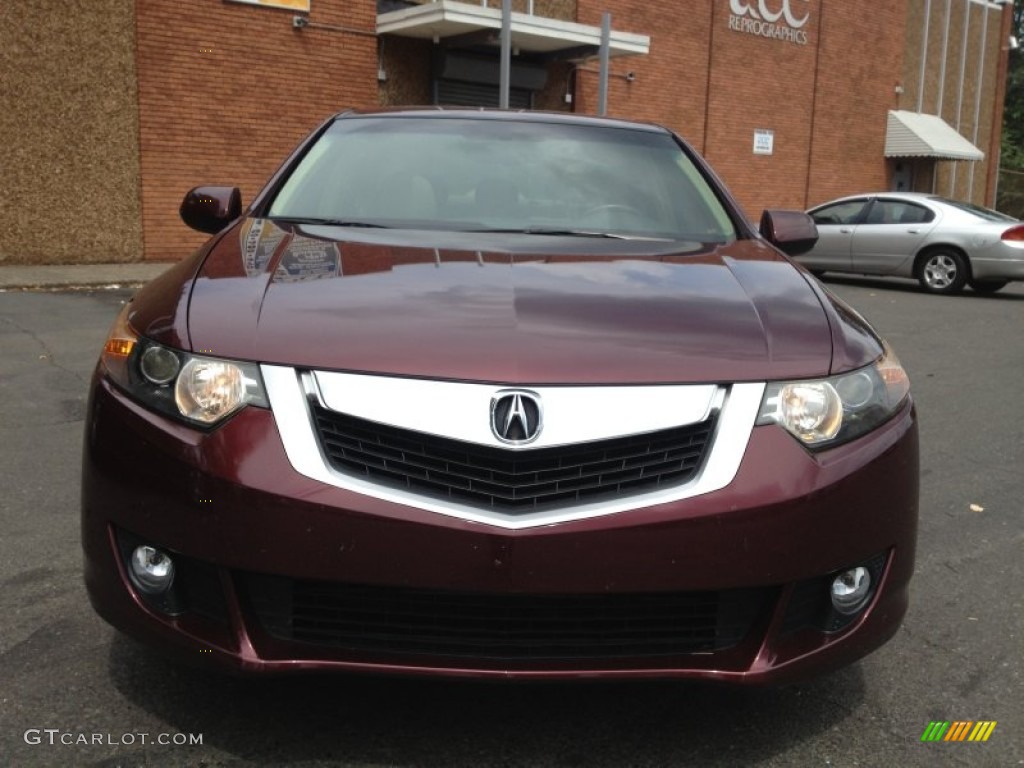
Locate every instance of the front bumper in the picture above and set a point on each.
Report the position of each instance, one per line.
(251, 534)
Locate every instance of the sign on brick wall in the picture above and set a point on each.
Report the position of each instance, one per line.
(764, 141)
(775, 19)
(295, 5)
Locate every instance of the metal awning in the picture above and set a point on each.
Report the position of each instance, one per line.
(914, 134)
(479, 25)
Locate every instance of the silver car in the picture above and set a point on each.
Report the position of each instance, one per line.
(944, 244)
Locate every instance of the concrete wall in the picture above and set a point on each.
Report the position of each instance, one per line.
(69, 163)
(954, 77)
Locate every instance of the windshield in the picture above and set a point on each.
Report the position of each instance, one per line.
(503, 175)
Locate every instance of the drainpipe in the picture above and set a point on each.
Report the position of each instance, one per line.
(977, 100)
(506, 53)
(606, 41)
(960, 89)
(924, 54)
(992, 181)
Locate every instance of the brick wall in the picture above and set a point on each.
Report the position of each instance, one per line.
(670, 84)
(407, 69)
(114, 108)
(227, 89)
(827, 141)
(861, 63)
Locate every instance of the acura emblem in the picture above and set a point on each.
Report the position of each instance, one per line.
(515, 416)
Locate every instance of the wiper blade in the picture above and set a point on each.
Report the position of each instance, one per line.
(558, 232)
(328, 222)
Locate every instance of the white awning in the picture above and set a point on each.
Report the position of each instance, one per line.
(914, 134)
(446, 19)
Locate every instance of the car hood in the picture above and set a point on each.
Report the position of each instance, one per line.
(509, 308)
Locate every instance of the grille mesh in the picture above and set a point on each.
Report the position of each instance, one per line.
(388, 620)
(511, 481)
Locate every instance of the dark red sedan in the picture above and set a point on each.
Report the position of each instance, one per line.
(501, 395)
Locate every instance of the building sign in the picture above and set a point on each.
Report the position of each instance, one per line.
(764, 141)
(294, 5)
(769, 18)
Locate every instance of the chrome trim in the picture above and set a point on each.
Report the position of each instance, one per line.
(461, 411)
(290, 392)
(516, 413)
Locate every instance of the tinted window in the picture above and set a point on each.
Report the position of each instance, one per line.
(839, 213)
(898, 212)
(464, 174)
(982, 213)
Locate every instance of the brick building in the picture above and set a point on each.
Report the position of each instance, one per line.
(114, 108)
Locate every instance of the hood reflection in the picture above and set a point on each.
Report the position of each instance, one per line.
(258, 239)
(306, 258)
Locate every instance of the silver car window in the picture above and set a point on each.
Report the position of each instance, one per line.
(845, 212)
(982, 213)
(898, 212)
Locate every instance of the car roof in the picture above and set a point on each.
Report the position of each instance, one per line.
(919, 196)
(484, 113)
(926, 198)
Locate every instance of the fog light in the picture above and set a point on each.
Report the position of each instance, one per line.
(152, 570)
(850, 590)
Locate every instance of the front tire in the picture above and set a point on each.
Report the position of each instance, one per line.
(943, 271)
(987, 287)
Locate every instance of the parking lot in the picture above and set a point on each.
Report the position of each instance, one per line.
(74, 692)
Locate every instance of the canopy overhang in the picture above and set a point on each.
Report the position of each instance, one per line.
(448, 21)
(914, 134)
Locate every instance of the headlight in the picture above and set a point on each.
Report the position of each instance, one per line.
(202, 390)
(822, 413)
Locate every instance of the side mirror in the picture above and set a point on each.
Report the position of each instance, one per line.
(209, 209)
(792, 232)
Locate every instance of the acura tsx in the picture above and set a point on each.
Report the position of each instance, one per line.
(504, 395)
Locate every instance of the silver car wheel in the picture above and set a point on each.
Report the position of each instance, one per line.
(943, 272)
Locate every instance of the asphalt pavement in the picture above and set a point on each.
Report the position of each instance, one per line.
(74, 692)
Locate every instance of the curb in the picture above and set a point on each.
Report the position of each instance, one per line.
(77, 277)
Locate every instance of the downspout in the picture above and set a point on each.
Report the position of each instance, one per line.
(814, 106)
(924, 54)
(977, 100)
(707, 83)
(960, 89)
(992, 180)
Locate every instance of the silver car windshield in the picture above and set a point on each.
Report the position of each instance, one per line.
(503, 175)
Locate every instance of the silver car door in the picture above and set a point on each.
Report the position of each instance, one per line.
(836, 223)
(891, 234)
